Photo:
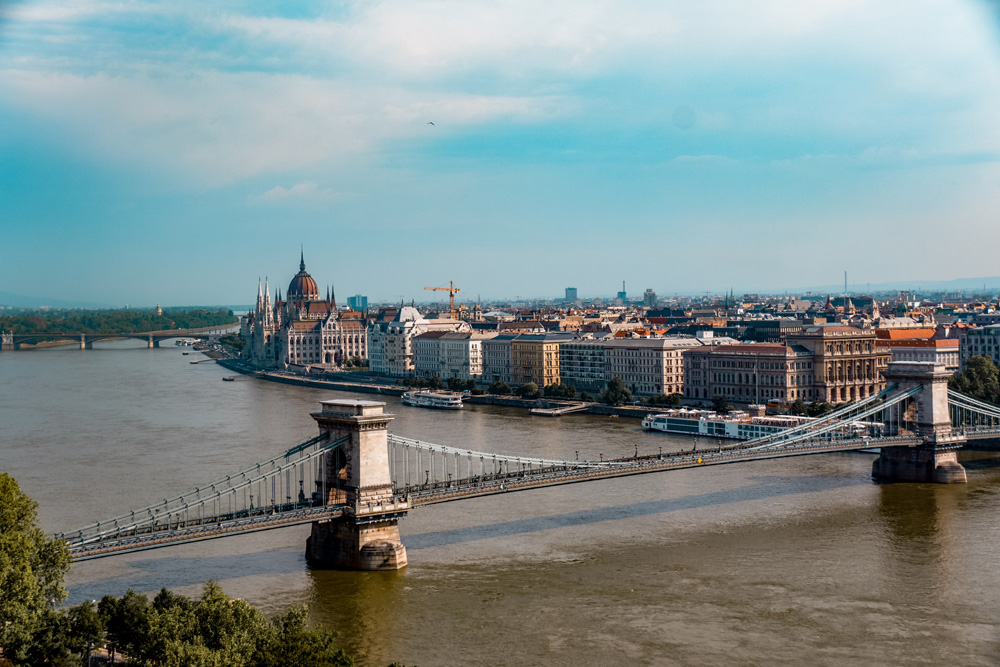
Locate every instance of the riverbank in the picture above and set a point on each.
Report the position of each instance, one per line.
(630, 412)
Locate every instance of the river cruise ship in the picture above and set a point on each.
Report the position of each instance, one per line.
(736, 425)
(433, 399)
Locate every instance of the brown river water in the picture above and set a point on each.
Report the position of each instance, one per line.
(778, 562)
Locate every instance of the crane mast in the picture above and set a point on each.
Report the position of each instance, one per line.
(451, 289)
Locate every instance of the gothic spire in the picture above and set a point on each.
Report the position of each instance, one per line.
(302, 259)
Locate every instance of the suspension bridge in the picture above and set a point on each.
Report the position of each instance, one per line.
(354, 481)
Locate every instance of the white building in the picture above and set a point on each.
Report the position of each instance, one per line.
(450, 354)
(390, 344)
(497, 359)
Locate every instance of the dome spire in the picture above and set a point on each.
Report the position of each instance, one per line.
(302, 258)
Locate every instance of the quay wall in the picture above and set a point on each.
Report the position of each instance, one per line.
(631, 412)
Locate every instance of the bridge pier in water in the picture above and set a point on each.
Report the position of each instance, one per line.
(86, 344)
(935, 459)
(152, 343)
(366, 536)
(7, 343)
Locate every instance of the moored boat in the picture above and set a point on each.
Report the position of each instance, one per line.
(423, 398)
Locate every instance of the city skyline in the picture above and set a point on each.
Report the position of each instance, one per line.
(175, 153)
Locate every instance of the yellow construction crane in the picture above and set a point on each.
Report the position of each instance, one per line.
(451, 289)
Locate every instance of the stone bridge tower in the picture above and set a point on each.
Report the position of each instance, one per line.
(366, 536)
(934, 459)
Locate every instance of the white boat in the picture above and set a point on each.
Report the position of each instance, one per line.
(185, 341)
(433, 399)
(733, 426)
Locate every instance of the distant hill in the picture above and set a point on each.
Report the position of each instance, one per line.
(20, 301)
(972, 285)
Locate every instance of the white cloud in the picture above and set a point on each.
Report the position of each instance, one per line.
(305, 190)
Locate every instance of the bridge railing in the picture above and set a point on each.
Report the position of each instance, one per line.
(874, 419)
(843, 415)
(415, 463)
(278, 485)
(971, 414)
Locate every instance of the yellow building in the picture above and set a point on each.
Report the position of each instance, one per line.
(535, 358)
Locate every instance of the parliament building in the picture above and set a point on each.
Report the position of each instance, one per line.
(302, 331)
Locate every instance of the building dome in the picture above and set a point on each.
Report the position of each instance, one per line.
(302, 285)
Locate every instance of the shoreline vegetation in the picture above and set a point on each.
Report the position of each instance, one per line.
(169, 630)
(114, 321)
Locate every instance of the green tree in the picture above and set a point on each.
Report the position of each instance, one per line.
(666, 400)
(435, 383)
(32, 568)
(980, 379)
(528, 390)
(616, 393)
(586, 397)
(559, 390)
(499, 388)
(721, 404)
(799, 407)
(86, 629)
(819, 408)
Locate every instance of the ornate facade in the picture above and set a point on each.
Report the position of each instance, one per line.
(302, 331)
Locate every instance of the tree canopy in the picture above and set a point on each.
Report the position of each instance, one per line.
(32, 567)
(616, 393)
(980, 379)
(170, 631)
(115, 321)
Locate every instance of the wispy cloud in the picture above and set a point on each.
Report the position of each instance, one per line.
(306, 190)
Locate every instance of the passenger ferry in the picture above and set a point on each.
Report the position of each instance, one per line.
(737, 425)
(186, 342)
(433, 399)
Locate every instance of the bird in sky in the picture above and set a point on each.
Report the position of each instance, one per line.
(429, 123)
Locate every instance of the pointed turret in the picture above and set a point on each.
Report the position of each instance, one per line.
(302, 259)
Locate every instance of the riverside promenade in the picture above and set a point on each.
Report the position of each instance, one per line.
(346, 384)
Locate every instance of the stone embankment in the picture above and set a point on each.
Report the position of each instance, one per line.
(631, 412)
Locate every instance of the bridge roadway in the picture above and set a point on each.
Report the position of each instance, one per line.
(14, 341)
(289, 514)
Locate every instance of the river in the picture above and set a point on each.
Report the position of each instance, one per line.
(771, 562)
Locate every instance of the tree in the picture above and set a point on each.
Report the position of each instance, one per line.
(435, 383)
(559, 390)
(980, 379)
(499, 388)
(616, 393)
(458, 384)
(586, 397)
(86, 630)
(527, 390)
(32, 568)
(799, 407)
(721, 404)
(819, 408)
(666, 400)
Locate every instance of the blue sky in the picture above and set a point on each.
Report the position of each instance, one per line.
(173, 152)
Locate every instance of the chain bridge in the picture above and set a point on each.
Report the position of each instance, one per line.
(354, 481)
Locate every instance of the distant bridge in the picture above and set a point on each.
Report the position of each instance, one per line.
(10, 341)
(354, 481)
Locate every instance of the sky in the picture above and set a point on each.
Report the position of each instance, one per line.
(176, 152)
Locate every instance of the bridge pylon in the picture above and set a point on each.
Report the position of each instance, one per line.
(935, 459)
(366, 536)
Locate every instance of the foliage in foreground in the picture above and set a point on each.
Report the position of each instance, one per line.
(170, 631)
(32, 567)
